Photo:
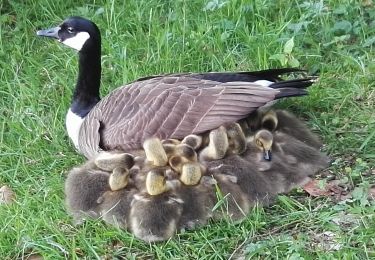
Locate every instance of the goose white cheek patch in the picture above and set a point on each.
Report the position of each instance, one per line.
(77, 41)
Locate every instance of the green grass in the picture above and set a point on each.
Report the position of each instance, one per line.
(143, 38)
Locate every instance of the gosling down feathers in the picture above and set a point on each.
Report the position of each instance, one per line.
(167, 106)
(281, 121)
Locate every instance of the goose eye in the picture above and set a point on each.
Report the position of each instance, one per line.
(70, 29)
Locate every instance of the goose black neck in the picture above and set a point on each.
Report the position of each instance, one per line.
(86, 94)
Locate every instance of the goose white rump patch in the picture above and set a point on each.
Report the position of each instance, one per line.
(73, 124)
(264, 83)
(77, 41)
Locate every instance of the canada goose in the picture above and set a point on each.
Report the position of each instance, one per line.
(236, 139)
(191, 173)
(269, 120)
(119, 178)
(295, 143)
(261, 144)
(118, 164)
(149, 170)
(198, 202)
(285, 122)
(194, 141)
(217, 147)
(83, 188)
(237, 203)
(280, 176)
(115, 206)
(155, 218)
(168, 106)
(255, 185)
(295, 152)
(279, 168)
(182, 158)
(179, 155)
(155, 152)
(225, 140)
(171, 141)
(258, 187)
(156, 182)
(291, 125)
(183, 150)
(108, 161)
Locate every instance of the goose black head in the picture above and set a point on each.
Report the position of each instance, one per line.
(76, 32)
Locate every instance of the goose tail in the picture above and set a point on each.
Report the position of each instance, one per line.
(273, 74)
(294, 87)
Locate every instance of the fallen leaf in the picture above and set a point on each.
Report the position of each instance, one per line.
(314, 189)
(371, 192)
(367, 3)
(7, 196)
(34, 257)
(334, 188)
(30, 254)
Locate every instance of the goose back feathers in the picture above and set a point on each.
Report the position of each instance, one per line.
(172, 107)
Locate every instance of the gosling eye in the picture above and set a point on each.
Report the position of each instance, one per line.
(70, 30)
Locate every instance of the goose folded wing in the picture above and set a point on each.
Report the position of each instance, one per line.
(172, 107)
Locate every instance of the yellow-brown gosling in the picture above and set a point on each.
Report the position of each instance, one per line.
(119, 178)
(217, 146)
(108, 161)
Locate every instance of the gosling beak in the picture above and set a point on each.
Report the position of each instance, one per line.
(51, 32)
(267, 155)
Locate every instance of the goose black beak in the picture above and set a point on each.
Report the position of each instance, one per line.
(267, 155)
(52, 32)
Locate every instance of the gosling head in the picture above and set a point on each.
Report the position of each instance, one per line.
(263, 140)
(119, 179)
(270, 120)
(194, 141)
(155, 152)
(187, 151)
(156, 182)
(108, 161)
(76, 32)
(191, 173)
(171, 141)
